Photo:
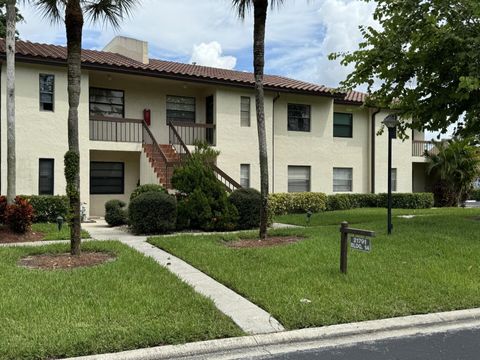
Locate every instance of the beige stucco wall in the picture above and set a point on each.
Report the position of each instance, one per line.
(132, 177)
(43, 134)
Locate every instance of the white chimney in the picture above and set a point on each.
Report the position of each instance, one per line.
(131, 48)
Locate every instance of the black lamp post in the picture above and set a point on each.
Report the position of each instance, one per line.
(391, 123)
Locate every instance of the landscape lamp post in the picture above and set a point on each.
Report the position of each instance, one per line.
(391, 123)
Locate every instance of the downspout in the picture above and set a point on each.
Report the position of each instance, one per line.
(273, 141)
(372, 159)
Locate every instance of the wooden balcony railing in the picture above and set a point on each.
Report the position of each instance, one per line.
(420, 148)
(104, 128)
(191, 133)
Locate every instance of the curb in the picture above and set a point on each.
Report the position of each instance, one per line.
(303, 339)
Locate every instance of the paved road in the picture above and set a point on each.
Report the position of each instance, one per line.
(458, 345)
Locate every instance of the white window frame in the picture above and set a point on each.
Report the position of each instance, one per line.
(245, 180)
(297, 178)
(348, 185)
(245, 115)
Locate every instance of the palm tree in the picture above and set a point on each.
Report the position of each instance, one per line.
(10, 49)
(111, 11)
(455, 164)
(260, 8)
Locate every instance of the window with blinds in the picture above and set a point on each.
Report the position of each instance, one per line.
(47, 90)
(107, 102)
(342, 179)
(245, 111)
(245, 175)
(394, 179)
(45, 176)
(298, 178)
(180, 108)
(298, 117)
(342, 125)
(107, 178)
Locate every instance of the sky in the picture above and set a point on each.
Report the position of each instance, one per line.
(299, 37)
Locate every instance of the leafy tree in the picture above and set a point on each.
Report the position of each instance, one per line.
(455, 164)
(3, 18)
(423, 61)
(74, 11)
(260, 8)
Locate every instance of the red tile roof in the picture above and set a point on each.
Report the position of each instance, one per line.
(102, 59)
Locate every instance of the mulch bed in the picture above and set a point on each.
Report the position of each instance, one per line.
(65, 261)
(7, 236)
(270, 241)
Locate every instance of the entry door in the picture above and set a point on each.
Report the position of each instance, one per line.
(209, 134)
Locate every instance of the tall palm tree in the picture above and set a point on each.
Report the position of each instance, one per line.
(260, 8)
(74, 11)
(455, 165)
(10, 50)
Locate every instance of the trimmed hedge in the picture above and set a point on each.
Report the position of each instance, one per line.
(291, 203)
(248, 203)
(48, 207)
(153, 213)
(147, 188)
(115, 213)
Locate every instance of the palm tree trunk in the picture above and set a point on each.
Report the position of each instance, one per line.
(10, 48)
(74, 27)
(260, 18)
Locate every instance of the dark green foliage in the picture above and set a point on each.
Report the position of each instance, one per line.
(399, 201)
(407, 200)
(248, 203)
(72, 169)
(153, 213)
(3, 19)
(48, 207)
(115, 213)
(204, 203)
(422, 61)
(19, 215)
(474, 195)
(147, 188)
(292, 203)
(3, 206)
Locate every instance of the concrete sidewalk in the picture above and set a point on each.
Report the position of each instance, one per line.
(248, 316)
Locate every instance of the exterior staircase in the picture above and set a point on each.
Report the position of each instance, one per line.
(163, 162)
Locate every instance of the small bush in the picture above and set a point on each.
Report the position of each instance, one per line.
(407, 200)
(19, 215)
(248, 202)
(3, 206)
(474, 195)
(291, 203)
(147, 188)
(153, 213)
(48, 207)
(115, 214)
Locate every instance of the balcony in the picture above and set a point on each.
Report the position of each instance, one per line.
(104, 128)
(191, 133)
(421, 148)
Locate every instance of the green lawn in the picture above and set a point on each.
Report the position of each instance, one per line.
(51, 232)
(430, 263)
(125, 304)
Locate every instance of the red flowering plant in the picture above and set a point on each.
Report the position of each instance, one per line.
(19, 215)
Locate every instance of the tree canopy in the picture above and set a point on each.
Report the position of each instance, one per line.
(423, 61)
(3, 19)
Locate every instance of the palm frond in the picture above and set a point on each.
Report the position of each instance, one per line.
(243, 6)
(50, 9)
(108, 11)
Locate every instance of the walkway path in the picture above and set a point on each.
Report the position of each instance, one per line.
(248, 316)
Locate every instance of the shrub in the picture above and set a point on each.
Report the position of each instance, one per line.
(3, 205)
(19, 215)
(153, 213)
(407, 200)
(290, 203)
(474, 195)
(147, 188)
(203, 203)
(48, 207)
(248, 202)
(115, 214)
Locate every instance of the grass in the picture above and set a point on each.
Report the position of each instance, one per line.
(51, 232)
(129, 303)
(429, 264)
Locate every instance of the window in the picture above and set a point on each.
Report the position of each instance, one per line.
(342, 125)
(298, 117)
(245, 111)
(394, 179)
(106, 177)
(45, 176)
(107, 102)
(47, 89)
(342, 179)
(245, 175)
(298, 178)
(180, 108)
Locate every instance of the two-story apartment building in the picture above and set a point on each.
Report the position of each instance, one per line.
(139, 116)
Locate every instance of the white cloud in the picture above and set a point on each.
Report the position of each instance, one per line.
(211, 55)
